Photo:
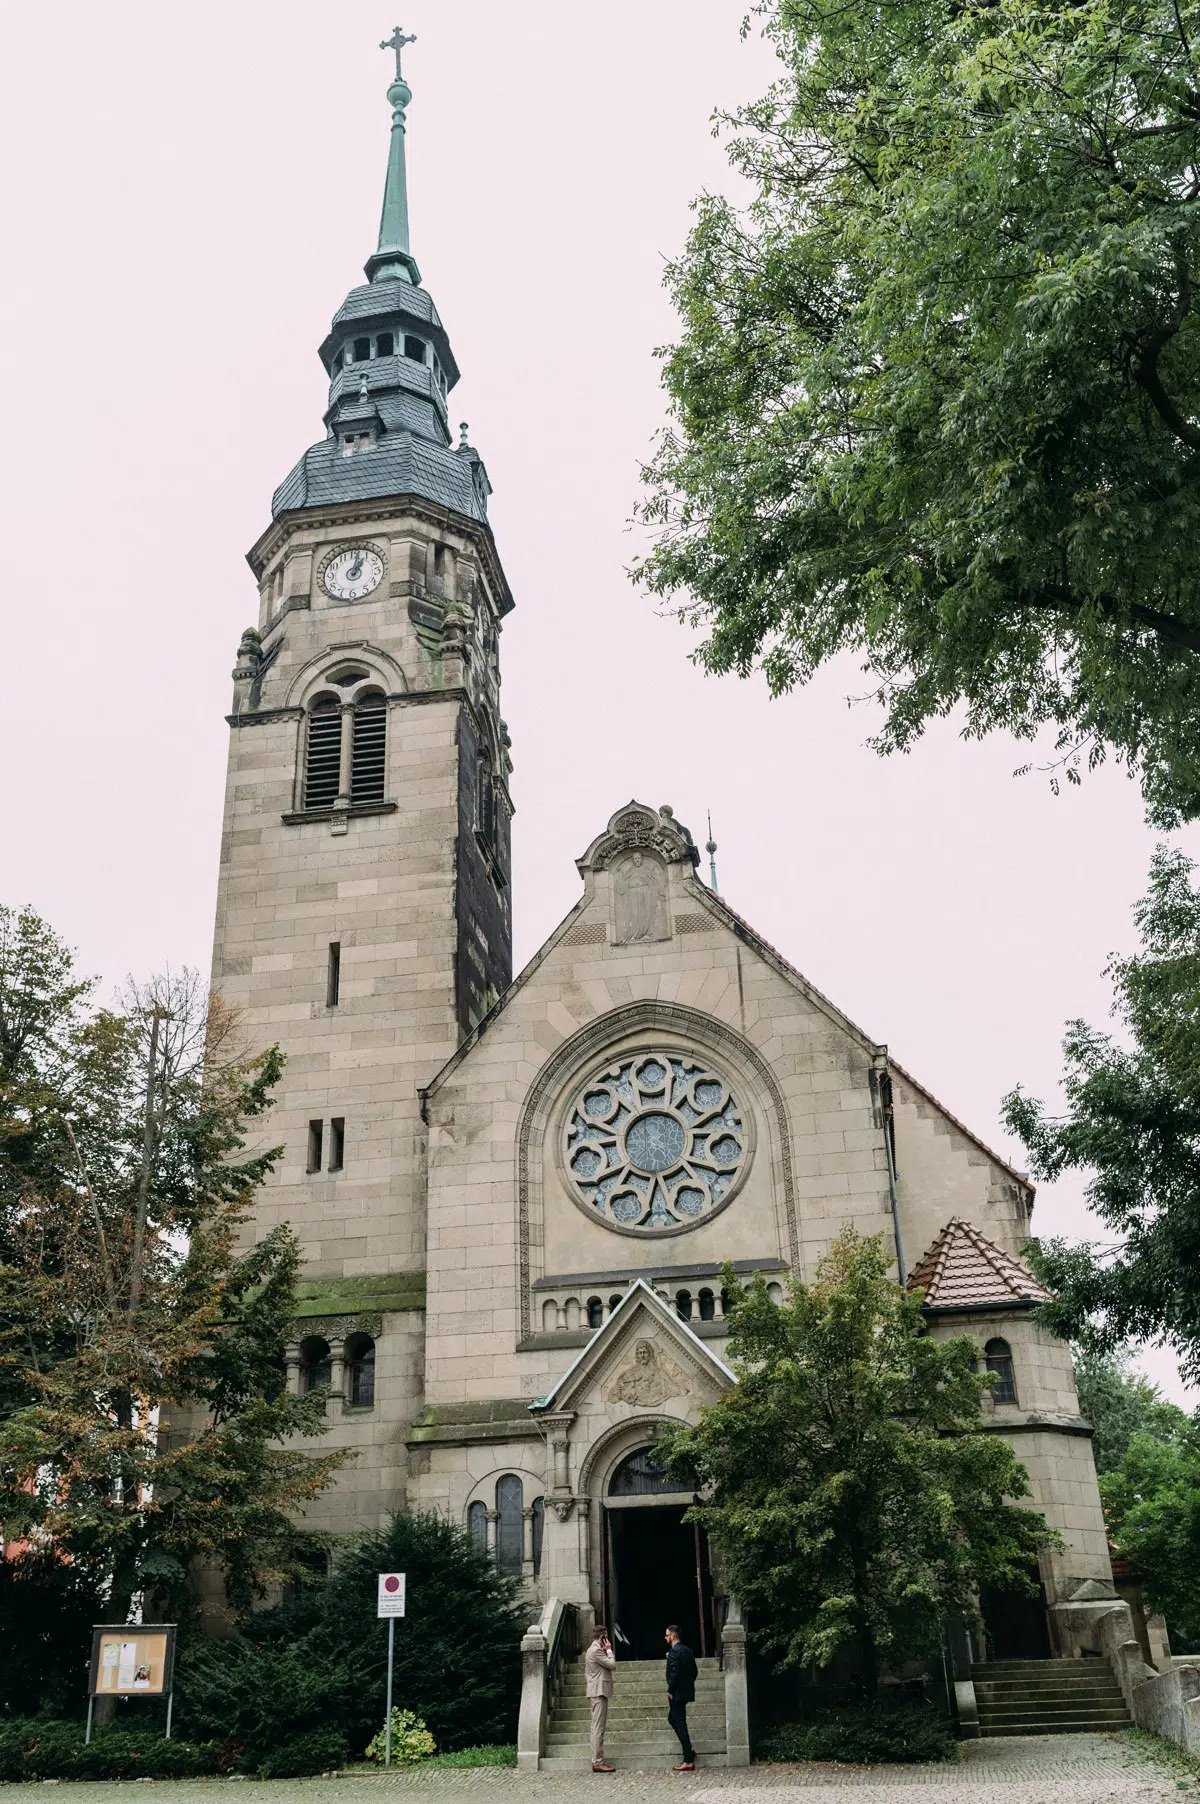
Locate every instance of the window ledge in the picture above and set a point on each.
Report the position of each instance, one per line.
(298, 816)
(358, 1409)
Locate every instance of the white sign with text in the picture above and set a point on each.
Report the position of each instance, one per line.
(391, 1594)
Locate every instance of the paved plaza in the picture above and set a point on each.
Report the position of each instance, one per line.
(1067, 1769)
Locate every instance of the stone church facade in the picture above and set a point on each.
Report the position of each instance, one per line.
(516, 1197)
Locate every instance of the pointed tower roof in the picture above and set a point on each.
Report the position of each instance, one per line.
(391, 369)
(393, 260)
(963, 1269)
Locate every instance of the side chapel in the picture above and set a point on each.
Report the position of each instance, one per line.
(516, 1196)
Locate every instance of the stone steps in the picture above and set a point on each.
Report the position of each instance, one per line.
(1048, 1697)
(638, 1734)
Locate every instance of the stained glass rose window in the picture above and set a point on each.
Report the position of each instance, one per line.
(654, 1143)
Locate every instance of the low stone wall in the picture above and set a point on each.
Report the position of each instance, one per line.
(1165, 1703)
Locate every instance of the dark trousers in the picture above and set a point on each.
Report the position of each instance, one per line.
(677, 1717)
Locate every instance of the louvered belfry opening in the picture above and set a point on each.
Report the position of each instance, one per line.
(368, 757)
(323, 760)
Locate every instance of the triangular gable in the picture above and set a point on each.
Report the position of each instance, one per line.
(639, 1302)
(714, 905)
(963, 1269)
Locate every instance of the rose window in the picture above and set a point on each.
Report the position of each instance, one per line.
(655, 1144)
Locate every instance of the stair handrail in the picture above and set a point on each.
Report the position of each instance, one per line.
(546, 1647)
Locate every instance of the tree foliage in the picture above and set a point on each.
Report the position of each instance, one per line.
(1132, 1124)
(1152, 1508)
(853, 1502)
(936, 402)
(321, 1659)
(144, 1421)
(1121, 1403)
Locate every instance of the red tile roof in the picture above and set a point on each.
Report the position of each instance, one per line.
(963, 1269)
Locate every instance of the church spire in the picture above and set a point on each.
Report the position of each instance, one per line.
(393, 261)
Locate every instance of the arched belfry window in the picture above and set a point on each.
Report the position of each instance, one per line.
(368, 762)
(997, 1358)
(477, 1525)
(345, 750)
(323, 760)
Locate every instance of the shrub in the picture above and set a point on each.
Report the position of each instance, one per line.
(487, 1756)
(320, 1751)
(41, 1748)
(411, 1740)
(47, 1609)
(320, 1660)
(863, 1735)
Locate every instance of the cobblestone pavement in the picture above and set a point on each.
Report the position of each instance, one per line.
(1066, 1769)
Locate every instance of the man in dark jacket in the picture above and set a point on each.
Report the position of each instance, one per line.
(681, 1690)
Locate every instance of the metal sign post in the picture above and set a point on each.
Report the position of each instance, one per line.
(390, 1603)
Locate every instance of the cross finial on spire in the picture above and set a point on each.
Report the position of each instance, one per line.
(396, 42)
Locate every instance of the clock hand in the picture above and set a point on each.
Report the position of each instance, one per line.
(355, 570)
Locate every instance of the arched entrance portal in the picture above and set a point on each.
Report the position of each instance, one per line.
(656, 1566)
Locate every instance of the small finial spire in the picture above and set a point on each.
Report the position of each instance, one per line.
(393, 261)
(364, 393)
(711, 849)
(462, 436)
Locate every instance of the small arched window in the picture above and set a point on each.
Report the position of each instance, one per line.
(510, 1523)
(708, 1306)
(368, 761)
(539, 1530)
(683, 1305)
(360, 1371)
(316, 1364)
(997, 1357)
(477, 1525)
(595, 1312)
(323, 757)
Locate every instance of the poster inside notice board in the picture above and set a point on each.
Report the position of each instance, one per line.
(132, 1659)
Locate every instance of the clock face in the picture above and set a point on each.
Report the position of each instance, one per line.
(349, 575)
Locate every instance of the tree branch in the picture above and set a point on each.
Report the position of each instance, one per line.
(1147, 368)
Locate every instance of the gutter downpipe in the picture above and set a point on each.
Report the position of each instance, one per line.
(889, 1142)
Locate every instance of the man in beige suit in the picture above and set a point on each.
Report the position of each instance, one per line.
(598, 1664)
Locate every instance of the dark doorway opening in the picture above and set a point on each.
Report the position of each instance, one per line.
(1014, 1622)
(658, 1572)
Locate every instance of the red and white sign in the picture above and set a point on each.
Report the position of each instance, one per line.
(391, 1594)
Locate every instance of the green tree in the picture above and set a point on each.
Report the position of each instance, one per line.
(936, 401)
(321, 1659)
(1152, 1508)
(1121, 1403)
(1132, 1124)
(146, 1425)
(853, 1502)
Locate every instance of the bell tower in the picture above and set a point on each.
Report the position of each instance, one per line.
(363, 915)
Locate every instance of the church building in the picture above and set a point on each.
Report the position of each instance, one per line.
(516, 1195)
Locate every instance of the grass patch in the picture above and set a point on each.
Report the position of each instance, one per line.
(491, 1755)
(1166, 1754)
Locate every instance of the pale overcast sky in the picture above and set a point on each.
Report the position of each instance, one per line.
(190, 193)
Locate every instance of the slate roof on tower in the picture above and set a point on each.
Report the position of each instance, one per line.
(963, 1269)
